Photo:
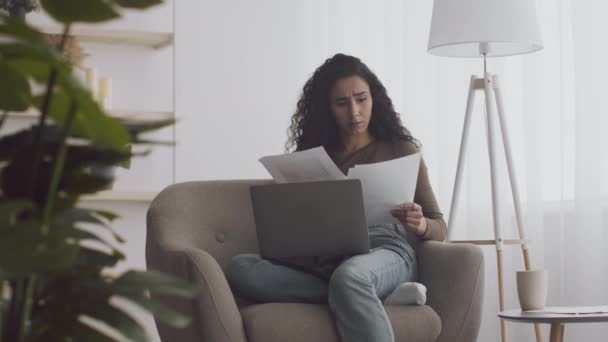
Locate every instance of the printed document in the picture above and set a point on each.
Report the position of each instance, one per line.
(303, 166)
(385, 185)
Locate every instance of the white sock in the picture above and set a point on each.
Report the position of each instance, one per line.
(407, 294)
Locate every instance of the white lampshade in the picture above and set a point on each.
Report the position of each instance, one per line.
(460, 27)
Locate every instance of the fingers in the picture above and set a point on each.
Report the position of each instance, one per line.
(411, 206)
(406, 213)
(397, 214)
(409, 222)
(414, 222)
(410, 215)
(414, 214)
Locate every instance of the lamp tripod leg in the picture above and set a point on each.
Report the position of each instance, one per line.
(514, 185)
(501, 291)
(498, 232)
(462, 153)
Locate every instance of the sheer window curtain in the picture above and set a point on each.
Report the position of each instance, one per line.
(555, 114)
(254, 58)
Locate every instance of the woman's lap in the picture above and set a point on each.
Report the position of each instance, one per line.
(258, 279)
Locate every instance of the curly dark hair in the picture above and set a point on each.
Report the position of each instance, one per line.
(313, 123)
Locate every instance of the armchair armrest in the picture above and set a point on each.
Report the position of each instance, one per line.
(215, 315)
(454, 276)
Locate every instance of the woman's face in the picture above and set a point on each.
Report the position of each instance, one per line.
(351, 104)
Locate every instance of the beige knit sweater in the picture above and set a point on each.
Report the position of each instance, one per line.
(379, 151)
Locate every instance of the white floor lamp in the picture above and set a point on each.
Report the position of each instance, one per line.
(487, 28)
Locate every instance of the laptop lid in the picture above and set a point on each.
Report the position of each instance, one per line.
(322, 218)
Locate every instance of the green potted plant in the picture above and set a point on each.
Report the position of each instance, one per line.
(18, 8)
(53, 255)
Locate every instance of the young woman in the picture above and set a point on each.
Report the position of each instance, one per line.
(345, 109)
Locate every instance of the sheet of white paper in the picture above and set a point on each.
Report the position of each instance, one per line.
(304, 166)
(386, 185)
(574, 310)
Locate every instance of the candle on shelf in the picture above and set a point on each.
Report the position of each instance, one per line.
(91, 78)
(105, 93)
(80, 76)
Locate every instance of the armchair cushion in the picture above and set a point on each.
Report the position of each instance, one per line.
(273, 322)
(194, 228)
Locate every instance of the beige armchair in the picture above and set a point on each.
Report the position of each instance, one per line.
(194, 228)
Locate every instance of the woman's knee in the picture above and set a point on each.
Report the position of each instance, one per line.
(348, 277)
(238, 270)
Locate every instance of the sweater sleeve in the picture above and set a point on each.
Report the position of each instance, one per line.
(424, 196)
(436, 226)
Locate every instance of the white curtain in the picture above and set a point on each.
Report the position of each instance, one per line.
(556, 121)
(254, 58)
(557, 124)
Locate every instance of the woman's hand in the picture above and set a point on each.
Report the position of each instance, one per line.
(410, 216)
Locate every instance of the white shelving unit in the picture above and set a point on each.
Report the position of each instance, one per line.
(154, 40)
(121, 196)
(110, 195)
(119, 114)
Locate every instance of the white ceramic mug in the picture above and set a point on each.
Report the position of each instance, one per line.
(532, 289)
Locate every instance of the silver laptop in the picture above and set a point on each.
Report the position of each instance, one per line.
(323, 218)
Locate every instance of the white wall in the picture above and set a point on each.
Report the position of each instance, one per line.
(241, 65)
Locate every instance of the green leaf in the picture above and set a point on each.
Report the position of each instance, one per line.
(95, 156)
(10, 209)
(90, 257)
(139, 141)
(24, 249)
(140, 126)
(80, 183)
(38, 70)
(138, 3)
(18, 29)
(91, 11)
(92, 216)
(21, 54)
(15, 92)
(156, 282)
(110, 216)
(162, 312)
(90, 121)
(80, 235)
(82, 332)
(119, 320)
(14, 145)
(76, 215)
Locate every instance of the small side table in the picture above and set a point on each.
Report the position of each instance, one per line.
(557, 320)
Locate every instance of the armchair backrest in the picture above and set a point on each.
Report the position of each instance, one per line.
(215, 216)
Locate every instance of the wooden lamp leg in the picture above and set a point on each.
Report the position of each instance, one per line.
(514, 186)
(501, 298)
(557, 332)
(537, 330)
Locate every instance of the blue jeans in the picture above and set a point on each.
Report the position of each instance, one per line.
(355, 291)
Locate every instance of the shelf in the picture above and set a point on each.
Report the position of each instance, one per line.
(154, 40)
(111, 195)
(491, 242)
(140, 116)
(129, 115)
